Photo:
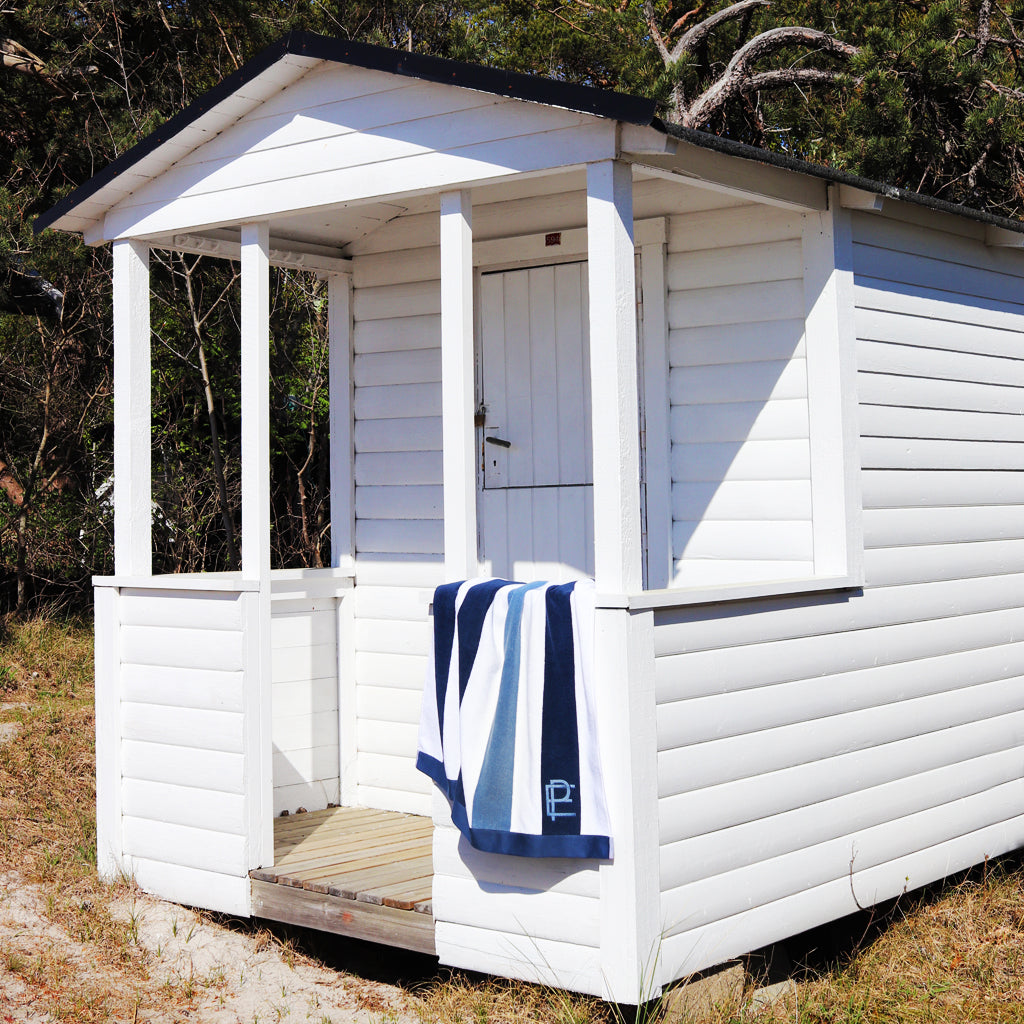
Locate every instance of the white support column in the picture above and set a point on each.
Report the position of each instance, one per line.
(255, 395)
(133, 544)
(613, 376)
(624, 642)
(457, 386)
(109, 835)
(339, 303)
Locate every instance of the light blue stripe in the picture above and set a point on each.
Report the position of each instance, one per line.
(492, 799)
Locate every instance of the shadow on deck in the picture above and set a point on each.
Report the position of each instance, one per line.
(360, 873)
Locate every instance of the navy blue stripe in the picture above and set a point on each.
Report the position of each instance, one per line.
(444, 637)
(472, 613)
(559, 745)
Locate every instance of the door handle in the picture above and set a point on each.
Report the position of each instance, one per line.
(499, 441)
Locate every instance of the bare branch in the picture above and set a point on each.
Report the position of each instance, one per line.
(16, 57)
(972, 174)
(984, 31)
(696, 35)
(788, 76)
(1013, 94)
(731, 82)
(652, 24)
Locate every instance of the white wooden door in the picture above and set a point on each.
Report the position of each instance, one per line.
(536, 507)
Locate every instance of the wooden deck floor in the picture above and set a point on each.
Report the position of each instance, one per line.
(363, 873)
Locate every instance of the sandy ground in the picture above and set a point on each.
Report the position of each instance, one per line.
(196, 970)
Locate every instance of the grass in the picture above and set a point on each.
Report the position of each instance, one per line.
(949, 955)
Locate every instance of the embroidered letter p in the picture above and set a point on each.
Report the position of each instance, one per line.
(556, 792)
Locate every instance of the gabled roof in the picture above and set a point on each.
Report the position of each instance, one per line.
(297, 52)
(285, 61)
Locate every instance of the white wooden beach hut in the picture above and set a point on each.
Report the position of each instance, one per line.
(774, 411)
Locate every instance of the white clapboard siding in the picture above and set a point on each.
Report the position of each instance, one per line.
(304, 701)
(415, 434)
(402, 501)
(184, 805)
(739, 421)
(883, 726)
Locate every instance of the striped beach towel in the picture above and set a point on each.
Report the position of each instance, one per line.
(508, 726)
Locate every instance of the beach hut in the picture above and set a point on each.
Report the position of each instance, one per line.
(773, 411)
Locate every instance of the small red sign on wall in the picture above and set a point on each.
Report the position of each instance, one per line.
(555, 238)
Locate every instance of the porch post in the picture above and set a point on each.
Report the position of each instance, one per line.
(624, 641)
(255, 395)
(133, 540)
(457, 386)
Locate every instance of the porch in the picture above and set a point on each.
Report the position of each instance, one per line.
(362, 873)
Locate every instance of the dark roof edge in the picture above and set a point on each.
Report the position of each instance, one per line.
(747, 152)
(615, 105)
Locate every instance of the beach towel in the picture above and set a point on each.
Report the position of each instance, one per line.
(508, 725)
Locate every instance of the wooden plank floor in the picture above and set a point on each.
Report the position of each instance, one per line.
(357, 872)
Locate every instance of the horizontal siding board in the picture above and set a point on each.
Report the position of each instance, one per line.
(772, 420)
(726, 850)
(182, 727)
(926, 563)
(947, 488)
(756, 539)
(417, 536)
(305, 731)
(736, 343)
(201, 689)
(295, 767)
(305, 696)
(901, 527)
(394, 800)
(390, 771)
(379, 704)
(381, 636)
(754, 460)
(399, 603)
(184, 805)
(396, 468)
(743, 382)
(915, 361)
(874, 293)
(422, 263)
(182, 766)
(745, 303)
(187, 609)
(197, 848)
(419, 366)
(958, 425)
(411, 434)
(742, 225)
(397, 671)
(314, 796)
(217, 649)
(228, 894)
(303, 628)
(397, 334)
(316, 661)
(397, 401)
(711, 572)
(406, 570)
(702, 811)
(930, 393)
(903, 328)
(742, 499)
(395, 738)
(746, 263)
(418, 298)
(401, 501)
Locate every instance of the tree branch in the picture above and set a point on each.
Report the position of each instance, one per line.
(16, 57)
(1003, 90)
(731, 82)
(696, 35)
(652, 25)
(984, 31)
(787, 76)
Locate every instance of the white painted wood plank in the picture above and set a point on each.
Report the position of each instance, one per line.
(302, 628)
(414, 264)
(220, 650)
(376, 704)
(400, 501)
(317, 661)
(763, 925)
(133, 542)
(397, 334)
(226, 894)
(909, 489)
(410, 434)
(715, 572)
(755, 539)
(400, 570)
(787, 618)
(746, 263)
(893, 421)
(183, 766)
(418, 298)
(915, 361)
(737, 343)
(736, 304)
(393, 800)
(705, 811)
(543, 382)
(741, 382)
(896, 527)
(767, 500)
(383, 637)
(203, 849)
(533, 959)
(754, 665)
(753, 460)
(109, 757)
(339, 299)
(729, 849)
(400, 535)
(386, 771)
(927, 562)
(922, 453)
(398, 603)
(724, 895)
(743, 225)
(183, 727)
(931, 332)
(397, 401)
(314, 796)
(395, 738)
(774, 420)
(184, 805)
(305, 696)
(554, 916)
(294, 767)
(397, 468)
(189, 609)
(304, 731)
(401, 671)
(573, 361)
(201, 689)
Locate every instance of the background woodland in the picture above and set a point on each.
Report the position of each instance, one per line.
(925, 95)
